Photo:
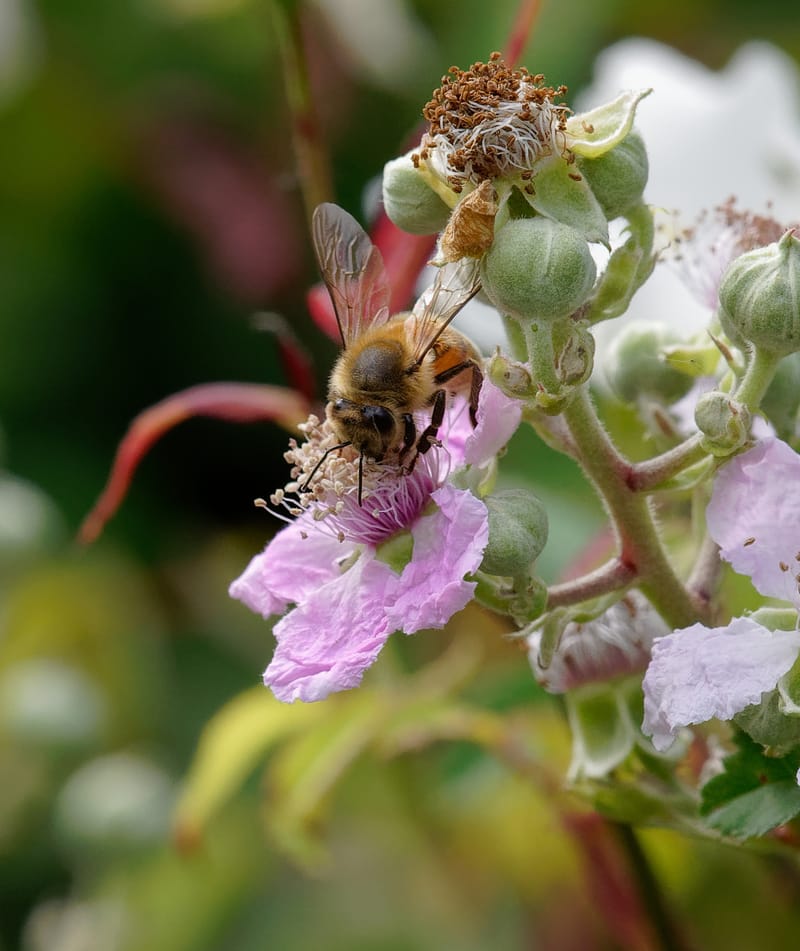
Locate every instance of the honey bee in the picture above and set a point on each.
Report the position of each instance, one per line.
(391, 367)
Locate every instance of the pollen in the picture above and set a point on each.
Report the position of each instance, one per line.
(491, 121)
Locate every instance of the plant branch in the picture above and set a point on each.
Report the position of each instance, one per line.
(649, 475)
(309, 145)
(640, 547)
(612, 576)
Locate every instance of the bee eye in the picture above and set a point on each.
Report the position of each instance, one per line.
(380, 418)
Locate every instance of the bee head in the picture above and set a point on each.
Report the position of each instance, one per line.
(371, 429)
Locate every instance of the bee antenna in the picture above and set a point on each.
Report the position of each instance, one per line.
(323, 457)
(360, 475)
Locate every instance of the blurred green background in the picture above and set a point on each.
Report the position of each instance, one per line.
(149, 207)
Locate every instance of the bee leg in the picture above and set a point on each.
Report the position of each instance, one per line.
(475, 386)
(409, 433)
(474, 393)
(428, 436)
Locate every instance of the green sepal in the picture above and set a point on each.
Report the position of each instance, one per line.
(603, 733)
(692, 360)
(629, 266)
(570, 200)
(596, 132)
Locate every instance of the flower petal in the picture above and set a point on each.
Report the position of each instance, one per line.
(498, 418)
(327, 642)
(448, 544)
(754, 516)
(297, 561)
(698, 673)
(596, 132)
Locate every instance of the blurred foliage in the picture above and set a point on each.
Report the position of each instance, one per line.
(149, 206)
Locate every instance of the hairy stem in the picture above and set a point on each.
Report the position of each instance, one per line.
(650, 474)
(640, 548)
(757, 378)
(614, 575)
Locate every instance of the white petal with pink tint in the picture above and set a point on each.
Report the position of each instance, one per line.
(698, 673)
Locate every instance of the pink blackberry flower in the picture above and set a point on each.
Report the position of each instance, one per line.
(356, 573)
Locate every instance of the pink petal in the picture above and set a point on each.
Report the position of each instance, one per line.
(754, 516)
(299, 560)
(698, 673)
(326, 643)
(498, 418)
(448, 544)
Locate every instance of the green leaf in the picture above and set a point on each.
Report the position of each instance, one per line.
(234, 741)
(306, 770)
(758, 811)
(747, 769)
(755, 793)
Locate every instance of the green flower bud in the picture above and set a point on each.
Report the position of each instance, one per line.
(618, 177)
(538, 269)
(409, 201)
(724, 422)
(760, 296)
(517, 532)
(636, 365)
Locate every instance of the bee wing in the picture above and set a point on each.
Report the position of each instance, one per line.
(454, 286)
(353, 271)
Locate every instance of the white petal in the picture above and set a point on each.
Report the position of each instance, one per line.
(698, 673)
(754, 516)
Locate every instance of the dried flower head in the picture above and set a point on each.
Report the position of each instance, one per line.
(491, 121)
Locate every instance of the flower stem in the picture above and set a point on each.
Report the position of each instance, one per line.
(307, 139)
(650, 474)
(650, 893)
(612, 576)
(757, 378)
(640, 547)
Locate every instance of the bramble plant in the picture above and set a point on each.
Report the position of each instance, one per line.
(680, 715)
(550, 183)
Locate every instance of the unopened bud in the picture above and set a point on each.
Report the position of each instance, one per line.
(409, 201)
(724, 422)
(637, 367)
(760, 296)
(618, 177)
(538, 269)
(518, 529)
